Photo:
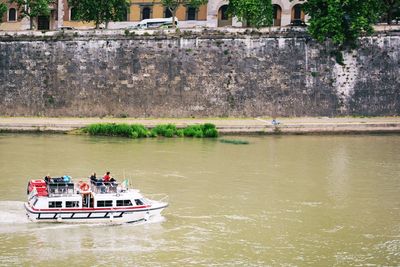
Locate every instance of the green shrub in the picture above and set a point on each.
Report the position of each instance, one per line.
(204, 130)
(134, 135)
(120, 130)
(190, 131)
(169, 133)
(153, 134)
(179, 133)
(207, 126)
(167, 130)
(211, 133)
(209, 130)
(112, 129)
(198, 134)
(139, 131)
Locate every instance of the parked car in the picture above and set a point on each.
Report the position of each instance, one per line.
(155, 23)
(167, 25)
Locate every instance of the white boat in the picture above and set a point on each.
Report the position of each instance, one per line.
(61, 200)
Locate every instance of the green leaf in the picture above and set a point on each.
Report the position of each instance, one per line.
(255, 13)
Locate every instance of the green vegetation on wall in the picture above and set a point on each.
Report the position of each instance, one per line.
(100, 11)
(3, 9)
(391, 11)
(341, 21)
(254, 13)
(173, 6)
(33, 8)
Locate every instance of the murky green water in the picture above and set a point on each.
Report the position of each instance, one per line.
(279, 201)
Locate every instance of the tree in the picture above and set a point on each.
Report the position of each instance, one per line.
(173, 5)
(33, 8)
(3, 9)
(341, 21)
(256, 13)
(391, 8)
(100, 11)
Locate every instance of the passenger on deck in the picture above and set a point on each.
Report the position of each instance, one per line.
(93, 178)
(106, 177)
(47, 178)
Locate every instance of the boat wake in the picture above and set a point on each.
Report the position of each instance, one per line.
(12, 212)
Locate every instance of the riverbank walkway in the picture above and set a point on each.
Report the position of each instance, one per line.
(260, 125)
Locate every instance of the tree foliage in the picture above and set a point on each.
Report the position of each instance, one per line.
(256, 13)
(33, 8)
(173, 6)
(3, 9)
(391, 9)
(100, 11)
(342, 21)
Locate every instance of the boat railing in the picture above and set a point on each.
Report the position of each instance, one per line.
(104, 187)
(63, 188)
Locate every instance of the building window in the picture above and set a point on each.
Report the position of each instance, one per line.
(297, 16)
(73, 15)
(12, 14)
(55, 204)
(224, 12)
(224, 18)
(191, 13)
(297, 12)
(277, 15)
(146, 13)
(167, 13)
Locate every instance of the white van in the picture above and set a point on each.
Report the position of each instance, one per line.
(156, 23)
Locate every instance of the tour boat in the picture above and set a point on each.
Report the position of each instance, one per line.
(61, 200)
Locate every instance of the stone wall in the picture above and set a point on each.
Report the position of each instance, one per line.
(200, 75)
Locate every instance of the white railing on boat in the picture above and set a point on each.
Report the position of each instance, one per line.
(103, 188)
(61, 189)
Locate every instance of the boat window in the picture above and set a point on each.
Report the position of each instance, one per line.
(55, 204)
(138, 202)
(125, 202)
(71, 204)
(104, 203)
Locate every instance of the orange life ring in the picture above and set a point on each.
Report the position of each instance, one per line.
(84, 187)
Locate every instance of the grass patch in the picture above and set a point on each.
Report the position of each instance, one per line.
(113, 129)
(139, 131)
(166, 130)
(234, 141)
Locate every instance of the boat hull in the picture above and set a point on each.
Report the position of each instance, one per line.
(95, 216)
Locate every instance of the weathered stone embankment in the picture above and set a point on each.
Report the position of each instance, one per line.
(225, 126)
(198, 73)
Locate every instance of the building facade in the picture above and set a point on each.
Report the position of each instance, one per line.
(214, 14)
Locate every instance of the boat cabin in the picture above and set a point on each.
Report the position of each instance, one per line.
(61, 193)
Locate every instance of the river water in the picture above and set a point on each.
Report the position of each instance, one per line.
(279, 201)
